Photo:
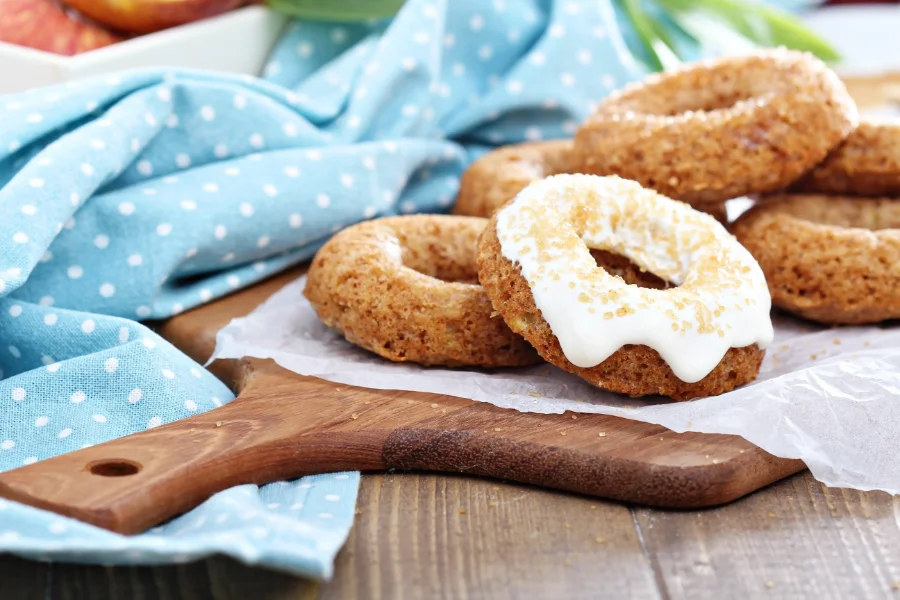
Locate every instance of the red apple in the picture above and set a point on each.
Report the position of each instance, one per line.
(45, 25)
(146, 16)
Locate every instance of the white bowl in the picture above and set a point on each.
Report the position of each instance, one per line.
(236, 42)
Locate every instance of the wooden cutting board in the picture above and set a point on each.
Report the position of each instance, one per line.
(283, 426)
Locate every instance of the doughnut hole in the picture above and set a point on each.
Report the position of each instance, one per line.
(620, 266)
(445, 252)
(831, 259)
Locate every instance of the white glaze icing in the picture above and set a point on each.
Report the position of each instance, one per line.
(722, 300)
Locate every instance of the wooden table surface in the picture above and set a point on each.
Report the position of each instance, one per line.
(434, 536)
(422, 536)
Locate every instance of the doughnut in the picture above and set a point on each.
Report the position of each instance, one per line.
(495, 178)
(702, 338)
(721, 129)
(866, 164)
(405, 288)
(832, 259)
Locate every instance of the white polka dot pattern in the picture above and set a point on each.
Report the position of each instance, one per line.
(143, 194)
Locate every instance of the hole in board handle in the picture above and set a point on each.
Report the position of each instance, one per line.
(117, 467)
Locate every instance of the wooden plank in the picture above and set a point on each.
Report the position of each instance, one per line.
(218, 578)
(23, 579)
(795, 539)
(427, 536)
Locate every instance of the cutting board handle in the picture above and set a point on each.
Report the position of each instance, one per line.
(130, 484)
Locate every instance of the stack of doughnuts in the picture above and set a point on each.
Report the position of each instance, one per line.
(608, 255)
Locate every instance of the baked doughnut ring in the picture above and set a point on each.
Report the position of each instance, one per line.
(716, 130)
(405, 288)
(702, 338)
(832, 259)
(866, 164)
(495, 178)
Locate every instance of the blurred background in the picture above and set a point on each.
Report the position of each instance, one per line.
(51, 41)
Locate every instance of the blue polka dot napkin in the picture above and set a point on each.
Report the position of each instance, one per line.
(142, 194)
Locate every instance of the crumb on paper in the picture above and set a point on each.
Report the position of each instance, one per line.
(783, 347)
(867, 344)
(813, 357)
(836, 342)
(462, 511)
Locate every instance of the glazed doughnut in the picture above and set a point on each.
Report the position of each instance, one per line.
(716, 130)
(831, 259)
(866, 164)
(405, 288)
(702, 338)
(495, 178)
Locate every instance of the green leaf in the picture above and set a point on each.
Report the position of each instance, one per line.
(337, 10)
(786, 30)
(714, 33)
(760, 23)
(659, 53)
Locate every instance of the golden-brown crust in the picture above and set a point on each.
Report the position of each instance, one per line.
(831, 259)
(405, 288)
(716, 130)
(499, 175)
(866, 164)
(496, 178)
(633, 370)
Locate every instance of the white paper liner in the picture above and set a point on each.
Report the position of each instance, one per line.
(828, 396)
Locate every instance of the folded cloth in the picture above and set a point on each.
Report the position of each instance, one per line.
(140, 195)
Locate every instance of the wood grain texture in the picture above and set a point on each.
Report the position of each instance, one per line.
(284, 426)
(793, 539)
(434, 536)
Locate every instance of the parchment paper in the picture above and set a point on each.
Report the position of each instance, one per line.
(828, 396)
